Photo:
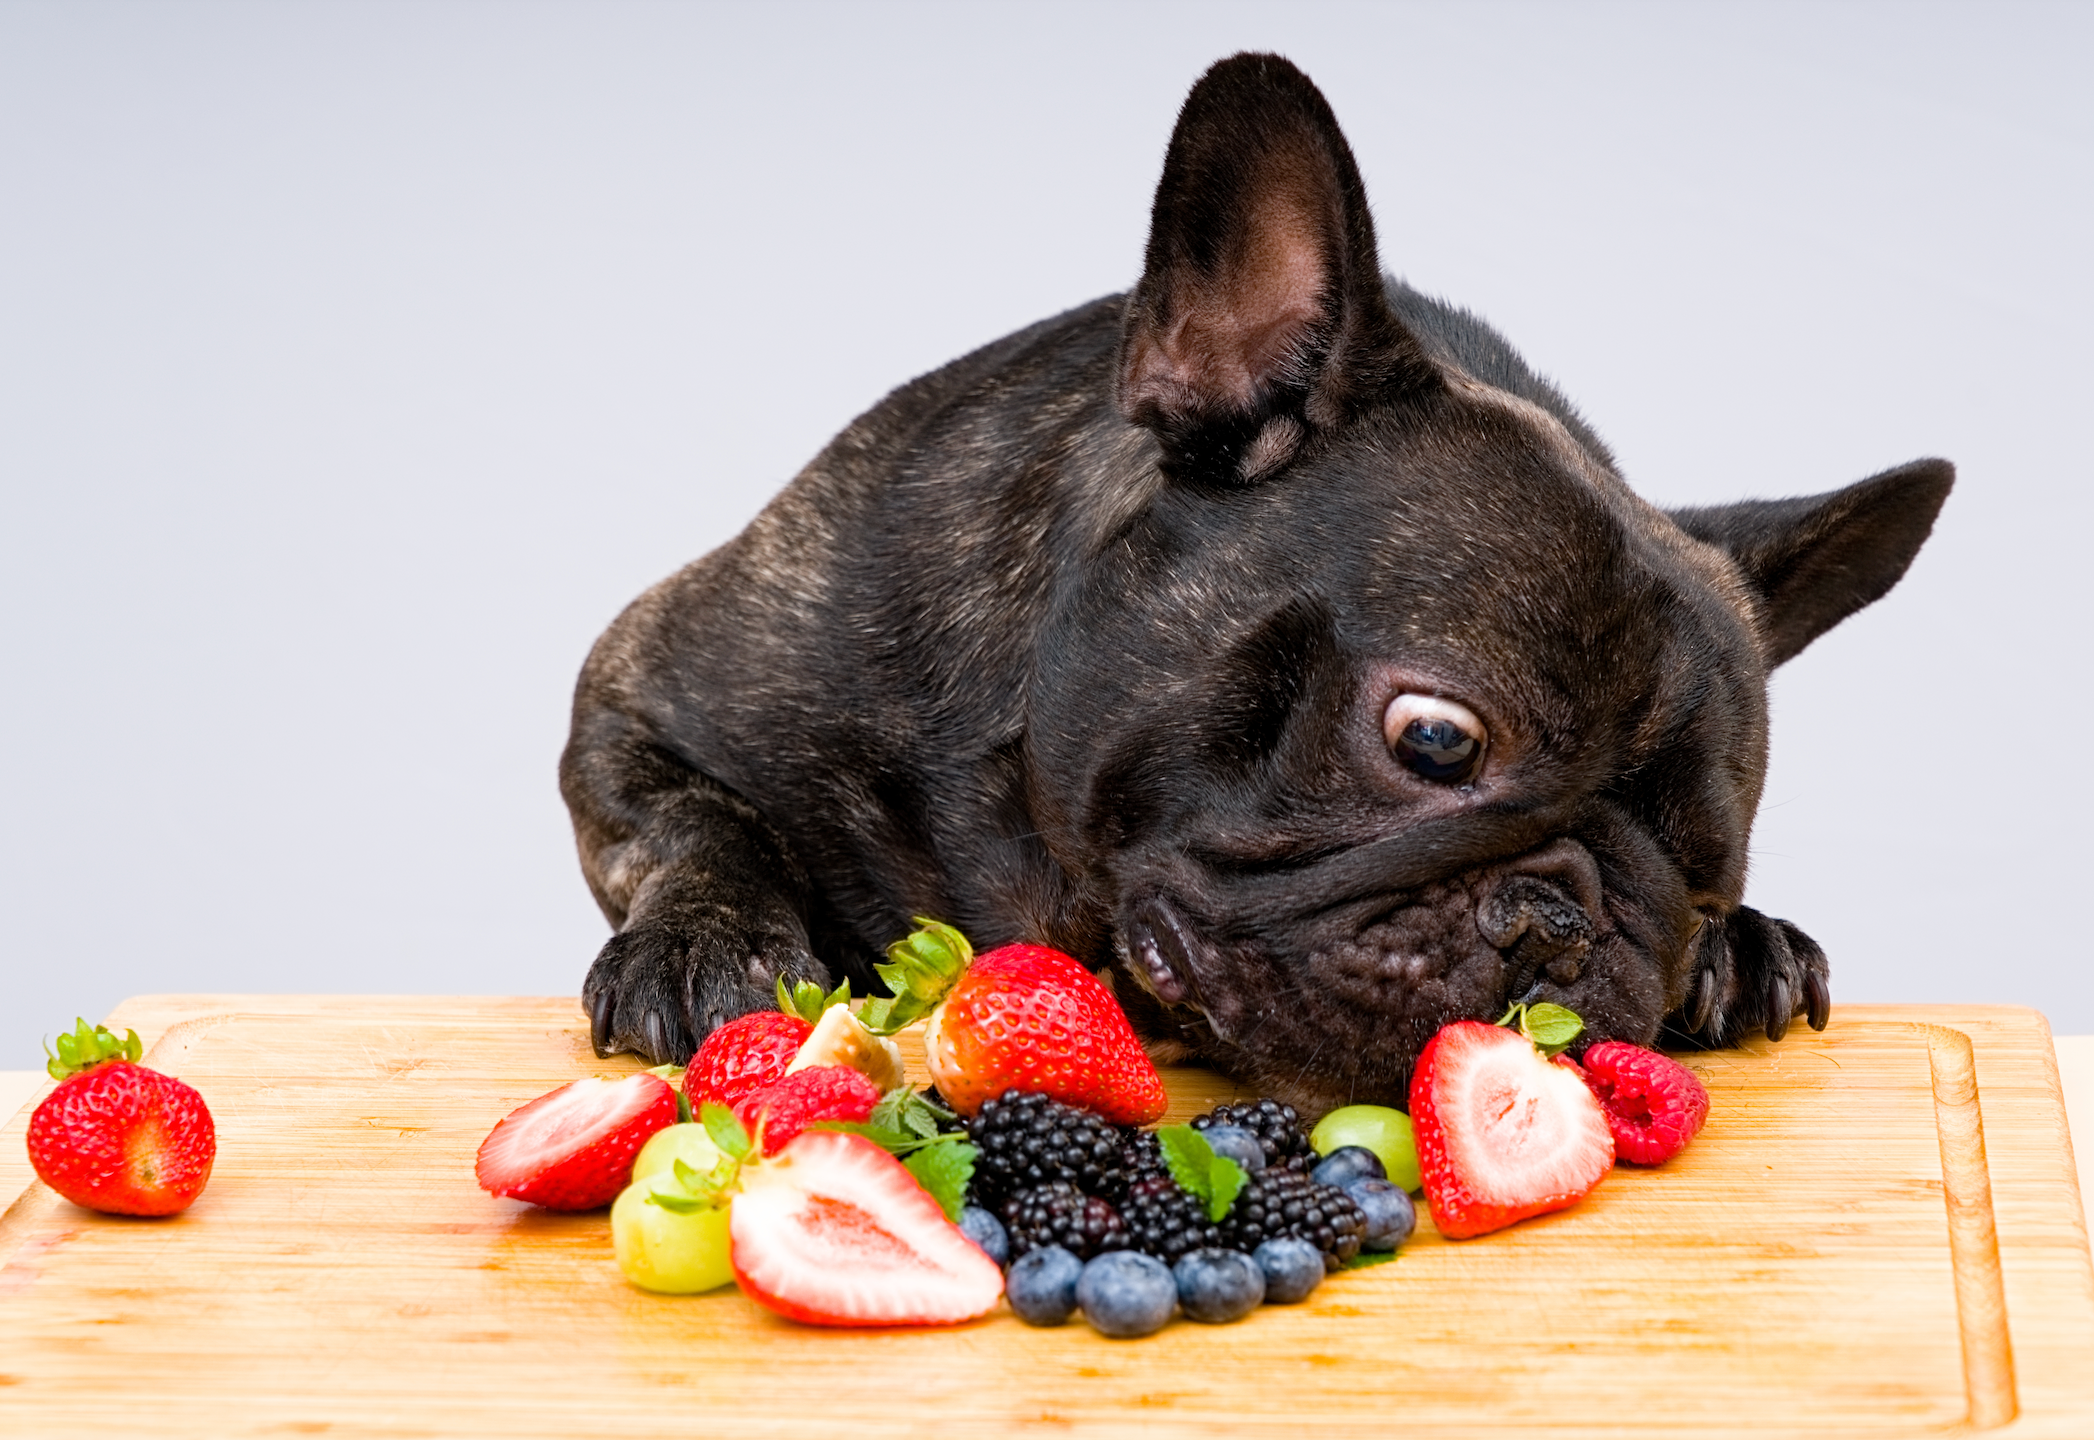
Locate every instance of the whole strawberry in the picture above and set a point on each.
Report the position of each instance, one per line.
(823, 1092)
(754, 1051)
(1654, 1105)
(115, 1136)
(1021, 1017)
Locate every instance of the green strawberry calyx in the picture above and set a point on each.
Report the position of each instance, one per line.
(808, 1000)
(88, 1046)
(1550, 1027)
(921, 971)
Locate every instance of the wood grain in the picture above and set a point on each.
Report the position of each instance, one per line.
(1798, 1271)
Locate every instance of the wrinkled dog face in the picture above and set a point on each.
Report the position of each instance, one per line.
(1270, 634)
(1510, 750)
(1428, 714)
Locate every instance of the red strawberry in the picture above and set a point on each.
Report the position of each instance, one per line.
(1022, 1017)
(832, 1230)
(1502, 1134)
(753, 1051)
(573, 1149)
(115, 1136)
(1653, 1104)
(822, 1092)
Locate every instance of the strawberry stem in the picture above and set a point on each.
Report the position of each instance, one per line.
(88, 1046)
(921, 971)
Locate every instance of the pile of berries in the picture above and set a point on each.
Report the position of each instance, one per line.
(1089, 1215)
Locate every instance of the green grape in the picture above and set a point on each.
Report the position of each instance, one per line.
(688, 1143)
(1384, 1131)
(672, 1251)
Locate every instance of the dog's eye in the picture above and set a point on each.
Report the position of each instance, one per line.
(1433, 738)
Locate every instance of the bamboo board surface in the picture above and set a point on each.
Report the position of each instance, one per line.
(1842, 1252)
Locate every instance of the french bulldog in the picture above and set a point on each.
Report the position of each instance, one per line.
(1271, 638)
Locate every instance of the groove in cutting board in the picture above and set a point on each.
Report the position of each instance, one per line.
(1981, 1295)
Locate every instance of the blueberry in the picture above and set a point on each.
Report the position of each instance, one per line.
(1041, 1287)
(1346, 1164)
(1125, 1293)
(1239, 1144)
(1390, 1214)
(1217, 1286)
(985, 1230)
(1292, 1269)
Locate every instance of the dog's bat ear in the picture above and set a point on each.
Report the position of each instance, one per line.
(1816, 560)
(1260, 314)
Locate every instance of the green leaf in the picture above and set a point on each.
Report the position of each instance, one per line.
(907, 1109)
(1550, 1027)
(680, 1204)
(805, 999)
(944, 1171)
(920, 969)
(1370, 1257)
(1214, 1180)
(726, 1131)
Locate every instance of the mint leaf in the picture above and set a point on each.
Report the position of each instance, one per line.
(1214, 1180)
(943, 1171)
(893, 1141)
(726, 1131)
(1225, 1179)
(1551, 1026)
(905, 1108)
(1370, 1257)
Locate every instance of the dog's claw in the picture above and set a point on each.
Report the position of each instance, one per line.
(1781, 1008)
(1704, 1001)
(654, 1035)
(1817, 999)
(602, 1004)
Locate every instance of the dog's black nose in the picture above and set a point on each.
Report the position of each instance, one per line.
(1542, 914)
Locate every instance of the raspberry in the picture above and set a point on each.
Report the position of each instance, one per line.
(1653, 1104)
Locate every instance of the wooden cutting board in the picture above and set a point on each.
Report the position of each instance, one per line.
(1861, 1242)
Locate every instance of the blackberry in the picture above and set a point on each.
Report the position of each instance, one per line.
(1027, 1140)
(1275, 1203)
(1278, 1128)
(1058, 1213)
(1166, 1221)
(1143, 1156)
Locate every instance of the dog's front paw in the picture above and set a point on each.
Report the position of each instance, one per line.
(1752, 972)
(673, 976)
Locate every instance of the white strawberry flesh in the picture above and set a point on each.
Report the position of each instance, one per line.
(1518, 1129)
(833, 1231)
(567, 1148)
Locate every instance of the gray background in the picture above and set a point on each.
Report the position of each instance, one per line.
(358, 362)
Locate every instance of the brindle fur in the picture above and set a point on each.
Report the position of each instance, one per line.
(1085, 638)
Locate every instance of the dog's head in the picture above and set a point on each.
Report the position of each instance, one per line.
(1385, 702)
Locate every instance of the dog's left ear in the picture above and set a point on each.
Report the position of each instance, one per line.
(1260, 315)
(1816, 560)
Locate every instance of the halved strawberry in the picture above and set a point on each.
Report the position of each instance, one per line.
(755, 1050)
(1653, 1104)
(1502, 1133)
(825, 1092)
(833, 1231)
(573, 1149)
(1021, 1017)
